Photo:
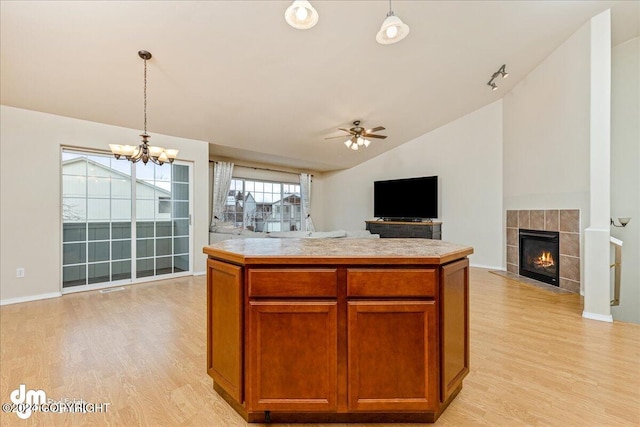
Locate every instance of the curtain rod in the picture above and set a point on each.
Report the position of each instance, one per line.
(261, 169)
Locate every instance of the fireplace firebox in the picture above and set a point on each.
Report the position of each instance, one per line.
(540, 255)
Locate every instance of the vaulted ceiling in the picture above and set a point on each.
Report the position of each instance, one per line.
(234, 74)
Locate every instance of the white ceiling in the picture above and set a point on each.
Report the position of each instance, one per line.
(233, 73)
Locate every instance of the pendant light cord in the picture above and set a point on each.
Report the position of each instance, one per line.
(145, 96)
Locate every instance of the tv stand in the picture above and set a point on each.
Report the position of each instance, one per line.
(385, 219)
(406, 229)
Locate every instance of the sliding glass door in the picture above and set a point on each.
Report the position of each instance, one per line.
(123, 221)
(162, 220)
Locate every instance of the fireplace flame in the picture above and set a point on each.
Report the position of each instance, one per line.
(545, 260)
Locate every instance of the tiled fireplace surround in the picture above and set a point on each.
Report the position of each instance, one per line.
(567, 222)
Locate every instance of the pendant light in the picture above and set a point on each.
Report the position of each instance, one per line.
(392, 30)
(144, 151)
(301, 15)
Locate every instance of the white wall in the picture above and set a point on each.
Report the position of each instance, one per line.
(625, 171)
(546, 133)
(466, 154)
(30, 193)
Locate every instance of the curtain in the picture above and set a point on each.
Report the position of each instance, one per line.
(222, 172)
(305, 201)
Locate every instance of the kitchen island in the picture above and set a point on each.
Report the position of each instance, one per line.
(338, 330)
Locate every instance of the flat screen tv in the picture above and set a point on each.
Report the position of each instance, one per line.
(408, 199)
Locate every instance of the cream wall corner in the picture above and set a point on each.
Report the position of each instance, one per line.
(30, 194)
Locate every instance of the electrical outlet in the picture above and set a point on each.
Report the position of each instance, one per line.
(20, 272)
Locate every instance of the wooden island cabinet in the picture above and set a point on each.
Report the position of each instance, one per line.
(322, 330)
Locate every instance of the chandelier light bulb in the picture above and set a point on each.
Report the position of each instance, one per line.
(129, 150)
(392, 31)
(171, 153)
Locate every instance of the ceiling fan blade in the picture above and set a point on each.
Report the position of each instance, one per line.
(376, 136)
(376, 129)
(348, 131)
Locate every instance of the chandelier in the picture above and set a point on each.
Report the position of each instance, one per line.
(144, 151)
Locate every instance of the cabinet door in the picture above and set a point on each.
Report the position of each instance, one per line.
(454, 324)
(293, 356)
(392, 355)
(224, 333)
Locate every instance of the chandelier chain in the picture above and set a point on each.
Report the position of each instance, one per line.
(145, 96)
(144, 152)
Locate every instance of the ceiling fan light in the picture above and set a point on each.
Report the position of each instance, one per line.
(354, 146)
(392, 30)
(360, 141)
(301, 15)
(366, 142)
(347, 143)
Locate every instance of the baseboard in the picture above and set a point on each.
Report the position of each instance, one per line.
(200, 273)
(596, 316)
(30, 298)
(489, 267)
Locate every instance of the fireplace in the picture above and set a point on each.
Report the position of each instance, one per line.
(540, 255)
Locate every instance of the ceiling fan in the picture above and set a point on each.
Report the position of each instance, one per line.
(358, 136)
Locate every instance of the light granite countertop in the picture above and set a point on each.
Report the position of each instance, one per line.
(337, 251)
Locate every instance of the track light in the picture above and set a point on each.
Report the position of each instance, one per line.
(392, 30)
(501, 72)
(301, 15)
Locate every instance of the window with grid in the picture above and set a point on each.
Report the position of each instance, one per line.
(122, 221)
(264, 206)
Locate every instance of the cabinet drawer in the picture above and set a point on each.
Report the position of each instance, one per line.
(419, 282)
(293, 283)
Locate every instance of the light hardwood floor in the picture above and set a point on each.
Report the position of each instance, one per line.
(534, 359)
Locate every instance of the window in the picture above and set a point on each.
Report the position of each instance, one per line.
(122, 221)
(263, 206)
(164, 205)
